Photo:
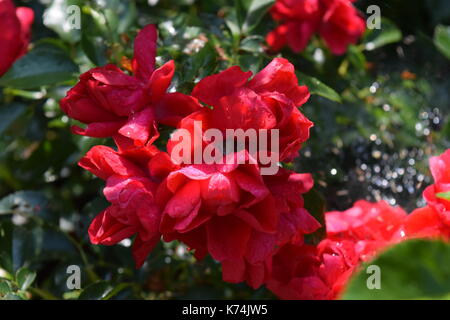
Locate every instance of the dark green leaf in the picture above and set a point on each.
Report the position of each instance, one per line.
(252, 44)
(96, 291)
(5, 287)
(317, 87)
(94, 49)
(316, 206)
(10, 113)
(6, 245)
(250, 13)
(45, 65)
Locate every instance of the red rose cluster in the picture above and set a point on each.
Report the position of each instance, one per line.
(337, 21)
(229, 211)
(15, 26)
(357, 235)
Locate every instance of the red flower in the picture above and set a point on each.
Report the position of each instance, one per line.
(110, 101)
(296, 274)
(337, 22)
(434, 219)
(15, 24)
(341, 25)
(299, 20)
(369, 225)
(440, 169)
(268, 101)
(130, 188)
(353, 236)
(426, 222)
(287, 188)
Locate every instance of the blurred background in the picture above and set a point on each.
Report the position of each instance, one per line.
(380, 111)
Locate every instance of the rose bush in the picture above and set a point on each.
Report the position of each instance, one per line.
(227, 210)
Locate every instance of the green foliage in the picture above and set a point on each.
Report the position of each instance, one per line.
(43, 66)
(442, 39)
(415, 269)
(250, 13)
(16, 287)
(315, 86)
(374, 109)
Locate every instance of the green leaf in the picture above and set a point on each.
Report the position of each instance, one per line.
(442, 39)
(94, 49)
(96, 291)
(415, 269)
(232, 23)
(102, 290)
(25, 278)
(9, 114)
(200, 64)
(376, 38)
(444, 195)
(128, 16)
(6, 245)
(316, 205)
(250, 12)
(356, 57)
(45, 65)
(315, 86)
(5, 287)
(252, 44)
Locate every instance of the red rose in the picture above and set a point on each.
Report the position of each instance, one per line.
(426, 222)
(341, 25)
(295, 274)
(130, 188)
(299, 20)
(15, 24)
(369, 225)
(110, 101)
(434, 219)
(337, 22)
(268, 101)
(440, 169)
(353, 236)
(287, 188)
